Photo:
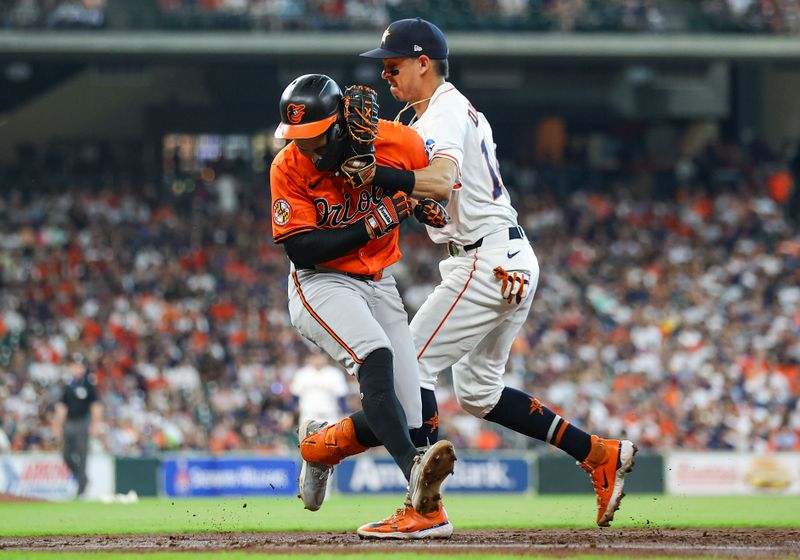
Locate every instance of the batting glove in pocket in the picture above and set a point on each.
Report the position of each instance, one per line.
(515, 283)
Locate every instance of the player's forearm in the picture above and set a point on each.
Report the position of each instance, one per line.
(323, 245)
(435, 181)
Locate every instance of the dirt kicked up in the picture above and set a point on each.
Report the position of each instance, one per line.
(727, 543)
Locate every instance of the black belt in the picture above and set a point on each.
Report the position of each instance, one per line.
(374, 277)
(514, 232)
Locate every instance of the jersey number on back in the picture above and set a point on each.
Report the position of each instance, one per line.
(497, 187)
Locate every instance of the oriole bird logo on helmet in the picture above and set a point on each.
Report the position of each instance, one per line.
(295, 113)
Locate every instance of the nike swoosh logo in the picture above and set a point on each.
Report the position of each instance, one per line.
(605, 481)
(511, 255)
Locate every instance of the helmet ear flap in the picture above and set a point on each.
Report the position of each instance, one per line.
(337, 137)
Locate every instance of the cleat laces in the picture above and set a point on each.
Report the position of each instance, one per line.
(397, 515)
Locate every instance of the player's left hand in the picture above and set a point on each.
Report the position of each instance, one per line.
(431, 213)
(360, 108)
(388, 214)
(515, 283)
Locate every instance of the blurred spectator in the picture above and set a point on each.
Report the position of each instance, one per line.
(654, 16)
(550, 141)
(23, 14)
(77, 14)
(320, 390)
(5, 443)
(780, 185)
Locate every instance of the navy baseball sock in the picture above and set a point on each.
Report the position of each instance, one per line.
(526, 415)
(428, 433)
(382, 410)
(424, 436)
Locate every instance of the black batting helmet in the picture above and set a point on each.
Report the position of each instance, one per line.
(309, 106)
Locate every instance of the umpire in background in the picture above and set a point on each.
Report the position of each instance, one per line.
(76, 414)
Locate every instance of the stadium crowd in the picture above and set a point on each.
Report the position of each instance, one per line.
(670, 316)
(655, 16)
(52, 14)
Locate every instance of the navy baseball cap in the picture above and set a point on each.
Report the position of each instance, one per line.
(411, 37)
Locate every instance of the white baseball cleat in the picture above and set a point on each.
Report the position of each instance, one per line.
(313, 480)
(427, 475)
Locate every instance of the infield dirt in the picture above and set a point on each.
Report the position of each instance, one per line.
(727, 543)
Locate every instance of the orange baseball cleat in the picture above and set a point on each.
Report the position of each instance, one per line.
(330, 444)
(313, 479)
(321, 447)
(608, 462)
(406, 523)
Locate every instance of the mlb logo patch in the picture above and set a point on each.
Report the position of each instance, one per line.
(430, 144)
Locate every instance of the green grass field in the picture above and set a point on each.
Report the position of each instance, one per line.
(159, 515)
(169, 516)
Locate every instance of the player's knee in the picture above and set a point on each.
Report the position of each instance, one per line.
(376, 371)
(477, 401)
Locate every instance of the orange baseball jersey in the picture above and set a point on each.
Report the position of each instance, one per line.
(304, 199)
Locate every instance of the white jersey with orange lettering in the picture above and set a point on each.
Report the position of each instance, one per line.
(471, 319)
(479, 205)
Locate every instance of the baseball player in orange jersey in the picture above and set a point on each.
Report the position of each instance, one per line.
(340, 237)
(472, 317)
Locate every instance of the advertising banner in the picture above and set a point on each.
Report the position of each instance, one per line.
(238, 476)
(725, 473)
(45, 476)
(367, 475)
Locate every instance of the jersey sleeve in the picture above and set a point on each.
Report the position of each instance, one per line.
(400, 147)
(444, 133)
(293, 210)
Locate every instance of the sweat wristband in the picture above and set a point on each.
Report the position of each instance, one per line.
(392, 179)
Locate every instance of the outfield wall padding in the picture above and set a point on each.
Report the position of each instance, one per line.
(139, 474)
(560, 475)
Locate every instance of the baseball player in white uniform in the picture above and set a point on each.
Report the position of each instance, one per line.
(320, 390)
(488, 282)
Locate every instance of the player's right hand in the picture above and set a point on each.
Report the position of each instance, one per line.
(515, 283)
(431, 213)
(388, 214)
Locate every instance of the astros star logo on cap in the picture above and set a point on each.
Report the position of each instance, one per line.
(385, 36)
